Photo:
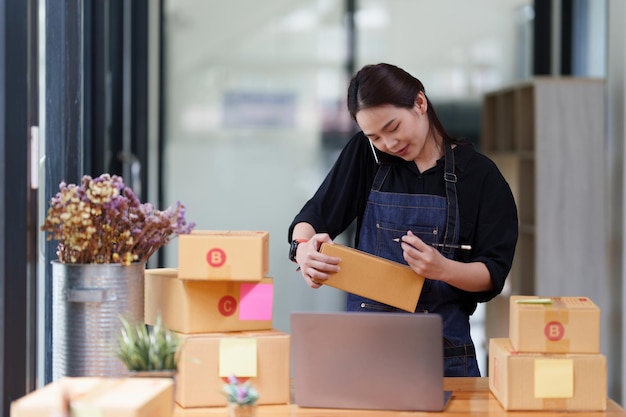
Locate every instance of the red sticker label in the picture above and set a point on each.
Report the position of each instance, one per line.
(227, 305)
(554, 331)
(216, 257)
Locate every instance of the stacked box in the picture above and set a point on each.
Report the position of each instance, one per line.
(551, 359)
(223, 255)
(220, 301)
(262, 356)
(554, 325)
(207, 306)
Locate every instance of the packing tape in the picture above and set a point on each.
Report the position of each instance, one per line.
(554, 404)
(556, 318)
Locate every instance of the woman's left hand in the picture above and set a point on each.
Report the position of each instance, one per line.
(424, 259)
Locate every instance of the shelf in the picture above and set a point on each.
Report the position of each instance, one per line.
(545, 136)
(525, 119)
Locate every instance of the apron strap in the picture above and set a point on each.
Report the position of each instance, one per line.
(381, 174)
(450, 179)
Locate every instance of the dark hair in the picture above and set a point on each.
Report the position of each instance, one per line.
(380, 84)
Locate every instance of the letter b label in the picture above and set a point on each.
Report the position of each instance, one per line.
(554, 331)
(216, 257)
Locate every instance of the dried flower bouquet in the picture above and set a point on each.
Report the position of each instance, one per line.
(102, 221)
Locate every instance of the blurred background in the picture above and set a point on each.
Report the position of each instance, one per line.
(237, 109)
(255, 102)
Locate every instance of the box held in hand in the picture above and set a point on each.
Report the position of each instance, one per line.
(374, 277)
(216, 255)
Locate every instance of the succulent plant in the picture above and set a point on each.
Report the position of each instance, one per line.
(144, 349)
(239, 392)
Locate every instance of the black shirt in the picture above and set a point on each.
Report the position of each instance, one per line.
(487, 210)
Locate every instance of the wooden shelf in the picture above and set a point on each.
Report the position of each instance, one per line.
(546, 136)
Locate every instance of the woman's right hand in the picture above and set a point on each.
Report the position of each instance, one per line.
(316, 267)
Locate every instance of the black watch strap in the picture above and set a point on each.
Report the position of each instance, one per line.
(293, 248)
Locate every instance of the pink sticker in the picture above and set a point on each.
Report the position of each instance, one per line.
(256, 301)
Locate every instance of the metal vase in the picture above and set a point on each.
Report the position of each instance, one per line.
(88, 301)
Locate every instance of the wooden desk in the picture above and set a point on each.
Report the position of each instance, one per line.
(470, 397)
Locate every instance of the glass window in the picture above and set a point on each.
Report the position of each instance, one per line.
(255, 111)
(254, 99)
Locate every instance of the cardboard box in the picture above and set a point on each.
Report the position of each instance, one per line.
(546, 381)
(207, 306)
(554, 324)
(104, 397)
(261, 357)
(223, 255)
(374, 277)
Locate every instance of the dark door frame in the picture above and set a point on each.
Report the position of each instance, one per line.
(18, 59)
(96, 101)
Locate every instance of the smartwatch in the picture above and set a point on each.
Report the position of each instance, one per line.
(293, 248)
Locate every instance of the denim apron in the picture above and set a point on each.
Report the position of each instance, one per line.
(434, 219)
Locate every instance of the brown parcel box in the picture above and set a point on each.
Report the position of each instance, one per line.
(546, 381)
(198, 380)
(207, 306)
(104, 397)
(374, 277)
(554, 324)
(223, 255)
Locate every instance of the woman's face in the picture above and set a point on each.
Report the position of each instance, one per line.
(397, 131)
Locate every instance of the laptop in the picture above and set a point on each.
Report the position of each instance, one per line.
(378, 361)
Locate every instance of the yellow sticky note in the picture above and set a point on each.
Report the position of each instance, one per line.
(554, 378)
(238, 357)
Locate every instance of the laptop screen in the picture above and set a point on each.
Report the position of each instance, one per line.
(391, 361)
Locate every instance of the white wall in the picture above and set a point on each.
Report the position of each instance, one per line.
(614, 169)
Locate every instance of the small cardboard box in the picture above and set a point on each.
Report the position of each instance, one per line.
(554, 324)
(374, 277)
(223, 255)
(546, 381)
(207, 360)
(105, 397)
(207, 306)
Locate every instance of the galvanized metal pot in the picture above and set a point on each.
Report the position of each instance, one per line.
(88, 300)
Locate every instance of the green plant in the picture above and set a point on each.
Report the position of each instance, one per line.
(241, 393)
(142, 349)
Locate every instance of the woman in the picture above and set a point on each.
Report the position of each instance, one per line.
(404, 178)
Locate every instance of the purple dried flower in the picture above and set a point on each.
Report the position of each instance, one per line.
(103, 221)
(242, 393)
